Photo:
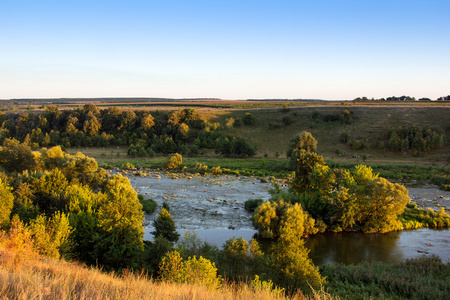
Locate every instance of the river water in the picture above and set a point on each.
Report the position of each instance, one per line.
(213, 207)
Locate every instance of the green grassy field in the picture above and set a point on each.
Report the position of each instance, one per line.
(370, 124)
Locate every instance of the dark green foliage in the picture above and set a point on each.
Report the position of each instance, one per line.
(344, 137)
(240, 259)
(252, 204)
(120, 217)
(149, 205)
(165, 226)
(275, 125)
(415, 139)
(440, 179)
(155, 251)
(248, 119)
(166, 206)
(234, 147)
(420, 278)
(16, 156)
(6, 203)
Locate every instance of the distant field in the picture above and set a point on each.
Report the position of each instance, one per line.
(370, 124)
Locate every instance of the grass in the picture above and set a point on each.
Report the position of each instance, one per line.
(370, 124)
(421, 278)
(43, 278)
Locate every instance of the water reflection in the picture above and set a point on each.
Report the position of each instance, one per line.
(353, 248)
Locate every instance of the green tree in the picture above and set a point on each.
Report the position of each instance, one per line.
(6, 203)
(290, 265)
(51, 235)
(380, 205)
(18, 157)
(305, 163)
(91, 126)
(270, 217)
(165, 226)
(174, 161)
(120, 220)
(148, 122)
(304, 141)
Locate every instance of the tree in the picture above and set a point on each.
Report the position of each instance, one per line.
(6, 203)
(50, 235)
(174, 161)
(147, 122)
(290, 265)
(304, 141)
(91, 126)
(120, 220)
(165, 226)
(381, 204)
(18, 157)
(183, 129)
(241, 259)
(304, 164)
(270, 217)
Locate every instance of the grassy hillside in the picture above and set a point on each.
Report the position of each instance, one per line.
(43, 278)
(370, 124)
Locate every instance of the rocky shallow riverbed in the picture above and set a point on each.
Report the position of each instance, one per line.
(206, 202)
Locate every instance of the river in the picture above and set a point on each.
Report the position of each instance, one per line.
(213, 207)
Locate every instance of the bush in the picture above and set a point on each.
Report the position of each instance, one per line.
(252, 204)
(248, 119)
(174, 161)
(165, 226)
(216, 170)
(194, 271)
(344, 137)
(148, 205)
(201, 168)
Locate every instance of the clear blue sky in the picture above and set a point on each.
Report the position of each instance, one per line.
(224, 49)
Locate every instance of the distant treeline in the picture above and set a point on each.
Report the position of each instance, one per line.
(147, 133)
(401, 98)
(297, 100)
(56, 101)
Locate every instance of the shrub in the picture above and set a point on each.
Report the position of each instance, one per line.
(344, 137)
(216, 170)
(174, 161)
(199, 271)
(201, 168)
(165, 226)
(6, 203)
(148, 205)
(248, 119)
(252, 204)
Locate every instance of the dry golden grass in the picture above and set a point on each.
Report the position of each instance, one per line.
(43, 278)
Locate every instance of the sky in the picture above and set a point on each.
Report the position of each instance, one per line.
(316, 49)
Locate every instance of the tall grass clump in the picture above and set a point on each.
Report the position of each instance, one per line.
(414, 217)
(420, 278)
